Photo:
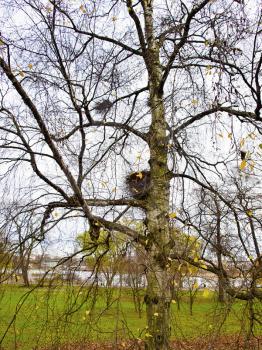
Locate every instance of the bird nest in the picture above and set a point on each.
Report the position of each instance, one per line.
(103, 106)
(138, 183)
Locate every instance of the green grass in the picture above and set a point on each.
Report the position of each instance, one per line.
(32, 319)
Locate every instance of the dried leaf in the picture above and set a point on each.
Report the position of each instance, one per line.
(82, 8)
(252, 135)
(251, 165)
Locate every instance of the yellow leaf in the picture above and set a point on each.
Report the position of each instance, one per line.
(172, 215)
(194, 102)
(156, 314)
(203, 266)
(260, 145)
(243, 164)
(207, 42)
(206, 293)
(148, 335)
(173, 301)
(1, 43)
(21, 73)
(242, 142)
(229, 135)
(195, 285)
(87, 312)
(249, 213)
(208, 70)
(139, 175)
(196, 259)
(30, 66)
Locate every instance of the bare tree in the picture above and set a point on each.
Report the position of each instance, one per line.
(159, 93)
(25, 232)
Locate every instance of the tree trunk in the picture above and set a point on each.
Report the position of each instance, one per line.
(24, 269)
(191, 302)
(24, 263)
(158, 297)
(158, 309)
(221, 290)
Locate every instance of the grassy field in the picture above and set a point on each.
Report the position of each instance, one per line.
(31, 319)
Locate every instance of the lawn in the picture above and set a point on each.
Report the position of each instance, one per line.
(31, 319)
